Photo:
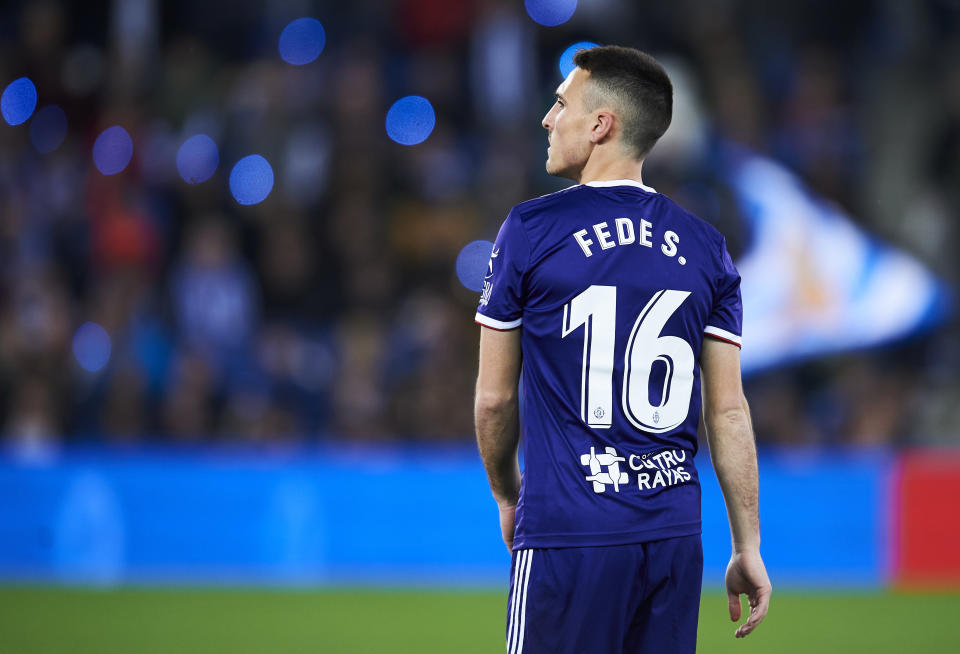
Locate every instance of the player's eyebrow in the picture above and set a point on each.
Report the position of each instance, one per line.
(560, 97)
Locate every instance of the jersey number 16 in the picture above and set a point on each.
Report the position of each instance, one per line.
(596, 309)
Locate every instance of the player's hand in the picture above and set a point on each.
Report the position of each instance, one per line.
(508, 513)
(747, 575)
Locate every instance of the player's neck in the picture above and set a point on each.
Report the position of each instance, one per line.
(601, 170)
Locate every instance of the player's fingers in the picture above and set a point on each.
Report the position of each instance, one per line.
(733, 603)
(749, 625)
(759, 603)
(763, 602)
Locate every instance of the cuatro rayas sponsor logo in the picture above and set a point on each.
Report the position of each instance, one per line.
(651, 471)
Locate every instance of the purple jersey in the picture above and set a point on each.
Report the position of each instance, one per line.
(615, 287)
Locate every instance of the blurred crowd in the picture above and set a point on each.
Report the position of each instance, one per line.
(331, 310)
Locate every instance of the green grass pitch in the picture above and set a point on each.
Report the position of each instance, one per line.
(237, 621)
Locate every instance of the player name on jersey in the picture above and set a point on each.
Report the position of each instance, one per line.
(626, 234)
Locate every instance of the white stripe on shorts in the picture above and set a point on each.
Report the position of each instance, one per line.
(523, 608)
(517, 591)
(513, 599)
(518, 608)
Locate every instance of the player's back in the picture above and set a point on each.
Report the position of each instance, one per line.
(614, 286)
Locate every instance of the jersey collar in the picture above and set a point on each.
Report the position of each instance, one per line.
(621, 182)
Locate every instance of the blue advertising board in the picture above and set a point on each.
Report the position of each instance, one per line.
(376, 515)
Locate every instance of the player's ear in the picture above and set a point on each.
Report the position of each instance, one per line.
(602, 126)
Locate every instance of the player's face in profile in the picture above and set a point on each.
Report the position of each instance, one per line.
(568, 128)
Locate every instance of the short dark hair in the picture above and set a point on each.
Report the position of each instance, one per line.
(637, 84)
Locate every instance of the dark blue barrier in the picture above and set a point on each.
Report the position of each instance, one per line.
(374, 515)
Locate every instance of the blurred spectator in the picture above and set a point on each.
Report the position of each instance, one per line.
(188, 407)
(331, 309)
(214, 295)
(33, 423)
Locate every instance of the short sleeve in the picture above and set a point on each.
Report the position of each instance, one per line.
(726, 318)
(501, 298)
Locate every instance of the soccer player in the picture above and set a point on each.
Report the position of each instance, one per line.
(622, 308)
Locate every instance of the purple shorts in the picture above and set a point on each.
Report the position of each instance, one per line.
(620, 599)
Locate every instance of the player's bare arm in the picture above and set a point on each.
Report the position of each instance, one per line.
(496, 415)
(732, 449)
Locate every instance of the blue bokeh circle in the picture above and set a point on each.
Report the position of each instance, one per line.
(48, 129)
(550, 13)
(18, 101)
(251, 180)
(566, 57)
(112, 150)
(91, 346)
(410, 120)
(197, 159)
(302, 41)
(473, 264)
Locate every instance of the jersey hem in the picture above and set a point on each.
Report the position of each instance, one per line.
(499, 325)
(600, 540)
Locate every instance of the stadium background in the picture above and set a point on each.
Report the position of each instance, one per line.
(200, 385)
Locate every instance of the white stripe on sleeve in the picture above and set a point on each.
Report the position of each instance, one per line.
(722, 334)
(493, 323)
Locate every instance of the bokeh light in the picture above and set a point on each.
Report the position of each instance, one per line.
(18, 101)
(302, 41)
(48, 129)
(550, 13)
(566, 57)
(473, 264)
(197, 159)
(410, 120)
(112, 150)
(91, 346)
(251, 180)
